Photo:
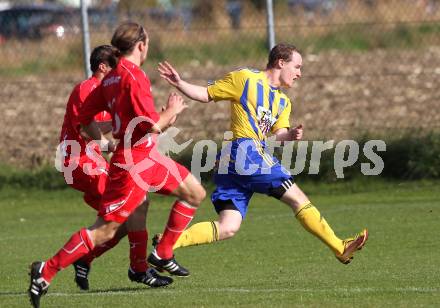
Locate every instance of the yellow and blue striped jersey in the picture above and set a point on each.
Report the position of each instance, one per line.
(256, 107)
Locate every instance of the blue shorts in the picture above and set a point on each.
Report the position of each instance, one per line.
(246, 168)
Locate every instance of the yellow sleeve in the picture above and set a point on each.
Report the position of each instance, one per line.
(228, 88)
(283, 120)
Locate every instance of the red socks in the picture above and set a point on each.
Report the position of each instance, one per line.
(138, 250)
(99, 250)
(180, 216)
(78, 246)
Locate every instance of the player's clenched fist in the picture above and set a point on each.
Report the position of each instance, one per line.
(297, 132)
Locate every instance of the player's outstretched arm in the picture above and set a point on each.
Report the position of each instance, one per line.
(194, 92)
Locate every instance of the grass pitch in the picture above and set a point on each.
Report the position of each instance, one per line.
(272, 262)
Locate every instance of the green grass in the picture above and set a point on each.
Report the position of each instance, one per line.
(272, 262)
(246, 47)
(40, 60)
(365, 37)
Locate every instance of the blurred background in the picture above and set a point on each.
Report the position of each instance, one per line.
(371, 67)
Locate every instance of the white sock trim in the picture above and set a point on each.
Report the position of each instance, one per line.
(75, 248)
(88, 232)
(176, 231)
(188, 216)
(186, 204)
(40, 270)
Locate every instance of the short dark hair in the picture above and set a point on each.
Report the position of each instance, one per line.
(280, 51)
(103, 54)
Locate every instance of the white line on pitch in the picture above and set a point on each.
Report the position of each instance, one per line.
(240, 290)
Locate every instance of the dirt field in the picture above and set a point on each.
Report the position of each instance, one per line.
(383, 93)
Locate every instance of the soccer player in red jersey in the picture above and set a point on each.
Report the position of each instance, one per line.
(76, 149)
(135, 168)
(85, 169)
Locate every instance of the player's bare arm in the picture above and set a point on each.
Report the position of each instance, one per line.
(92, 132)
(285, 134)
(194, 92)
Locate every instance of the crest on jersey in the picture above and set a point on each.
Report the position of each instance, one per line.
(265, 119)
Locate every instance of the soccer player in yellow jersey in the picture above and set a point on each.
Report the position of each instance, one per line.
(258, 107)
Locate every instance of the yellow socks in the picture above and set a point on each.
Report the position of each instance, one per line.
(312, 221)
(309, 217)
(201, 233)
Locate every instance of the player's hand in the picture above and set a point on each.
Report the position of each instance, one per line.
(297, 132)
(168, 73)
(176, 103)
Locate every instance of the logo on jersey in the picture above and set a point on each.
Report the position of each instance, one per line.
(111, 80)
(265, 119)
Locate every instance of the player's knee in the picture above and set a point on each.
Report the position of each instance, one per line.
(137, 220)
(195, 195)
(141, 210)
(122, 231)
(108, 236)
(228, 231)
(200, 194)
(104, 235)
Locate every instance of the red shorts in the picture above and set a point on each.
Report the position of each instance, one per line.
(92, 185)
(131, 176)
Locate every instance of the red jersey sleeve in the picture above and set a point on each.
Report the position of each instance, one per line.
(94, 104)
(143, 103)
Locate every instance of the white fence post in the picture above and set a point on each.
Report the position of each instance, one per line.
(270, 24)
(86, 38)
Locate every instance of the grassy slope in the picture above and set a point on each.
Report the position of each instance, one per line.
(271, 262)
